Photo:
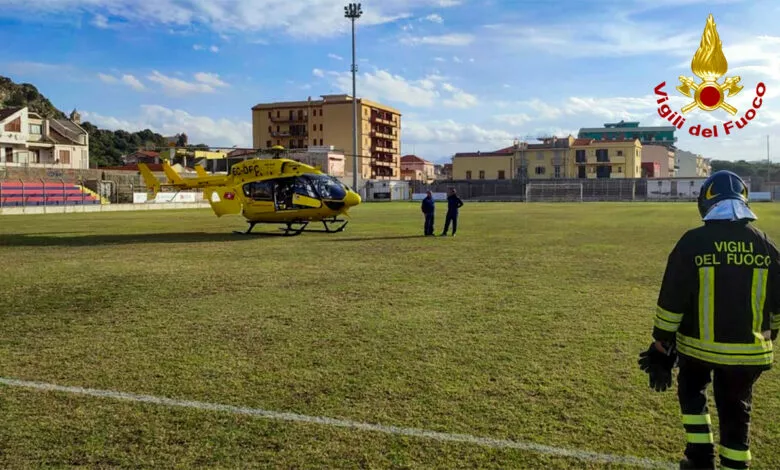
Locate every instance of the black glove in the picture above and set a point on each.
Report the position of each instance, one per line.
(658, 366)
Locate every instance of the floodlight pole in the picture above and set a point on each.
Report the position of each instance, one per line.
(353, 12)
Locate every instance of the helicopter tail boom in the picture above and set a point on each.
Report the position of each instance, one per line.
(152, 183)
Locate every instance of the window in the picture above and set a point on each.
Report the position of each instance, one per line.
(269, 113)
(320, 141)
(620, 169)
(14, 126)
(259, 190)
(277, 128)
(557, 171)
(269, 129)
(278, 113)
(9, 155)
(65, 157)
(35, 128)
(320, 126)
(468, 175)
(539, 170)
(500, 174)
(268, 143)
(481, 174)
(619, 153)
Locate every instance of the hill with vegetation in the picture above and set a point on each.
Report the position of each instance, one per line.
(106, 147)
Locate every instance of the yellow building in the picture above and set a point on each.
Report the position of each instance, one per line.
(608, 159)
(328, 122)
(553, 158)
(496, 165)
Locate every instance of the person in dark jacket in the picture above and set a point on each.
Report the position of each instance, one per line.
(453, 204)
(717, 316)
(428, 209)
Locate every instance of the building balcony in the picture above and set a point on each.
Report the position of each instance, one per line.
(382, 149)
(280, 134)
(382, 135)
(304, 118)
(378, 120)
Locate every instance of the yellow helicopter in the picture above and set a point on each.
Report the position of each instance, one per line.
(268, 191)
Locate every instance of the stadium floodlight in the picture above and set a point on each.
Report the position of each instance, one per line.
(353, 12)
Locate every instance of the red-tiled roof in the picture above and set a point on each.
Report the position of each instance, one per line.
(505, 150)
(582, 141)
(411, 159)
(147, 153)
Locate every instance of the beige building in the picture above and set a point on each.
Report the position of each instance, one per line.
(662, 155)
(691, 165)
(328, 122)
(553, 158)
(617, 158)
(27, 139)
(415, 168)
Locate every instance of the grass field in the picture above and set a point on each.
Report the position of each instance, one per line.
(524, 327)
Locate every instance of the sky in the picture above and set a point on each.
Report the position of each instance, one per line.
(465, 75)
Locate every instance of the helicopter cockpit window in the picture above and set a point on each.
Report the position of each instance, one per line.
(328, 187)
(259, 190)
(304, 187)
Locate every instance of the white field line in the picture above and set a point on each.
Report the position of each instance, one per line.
(394, 430)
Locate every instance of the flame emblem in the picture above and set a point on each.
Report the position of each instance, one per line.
(709, 64)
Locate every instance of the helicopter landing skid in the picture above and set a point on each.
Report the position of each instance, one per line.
(335, 228)
(291, 231)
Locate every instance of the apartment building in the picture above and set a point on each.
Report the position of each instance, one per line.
(414, 168)
(27, 139)
(691, 165)
(662, 155)
(553, 158)
(647, 135)
(618, 158)
(328, 122)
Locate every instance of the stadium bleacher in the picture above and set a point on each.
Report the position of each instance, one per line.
(18, 193)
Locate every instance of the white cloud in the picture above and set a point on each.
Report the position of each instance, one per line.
(197, 47)
(305, 18)
(128, 80)
(433, 18)
(214, 49)
(460, 99)
(210, 79)
(205, 83)
(165, 121)
(425, 92)
(133, 82)
(100, 21)
(335, 56)
(440, 59)
(454, 39)
(457, 60)
(107, 78)
(318, 73)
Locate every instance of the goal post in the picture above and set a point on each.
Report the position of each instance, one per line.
(553, 192)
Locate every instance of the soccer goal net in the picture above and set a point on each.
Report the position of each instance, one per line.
(553, 192)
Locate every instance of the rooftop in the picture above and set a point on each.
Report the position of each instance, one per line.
(324, 99)
(5, 112)
(413, 159)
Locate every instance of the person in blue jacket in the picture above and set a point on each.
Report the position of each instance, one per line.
(453, 204)
(428, 209)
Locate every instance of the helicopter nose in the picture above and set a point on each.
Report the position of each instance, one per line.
(352, 199)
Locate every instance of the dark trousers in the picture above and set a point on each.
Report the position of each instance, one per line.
(451, 217)
(428, 224)
(733, 390)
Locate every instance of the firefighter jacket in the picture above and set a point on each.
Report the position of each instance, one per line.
(720, 296)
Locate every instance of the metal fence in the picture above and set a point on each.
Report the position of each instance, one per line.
(623, 189)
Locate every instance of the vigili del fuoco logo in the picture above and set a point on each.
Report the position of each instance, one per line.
(709, 64)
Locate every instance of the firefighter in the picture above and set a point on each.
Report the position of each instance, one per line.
(717, 315)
